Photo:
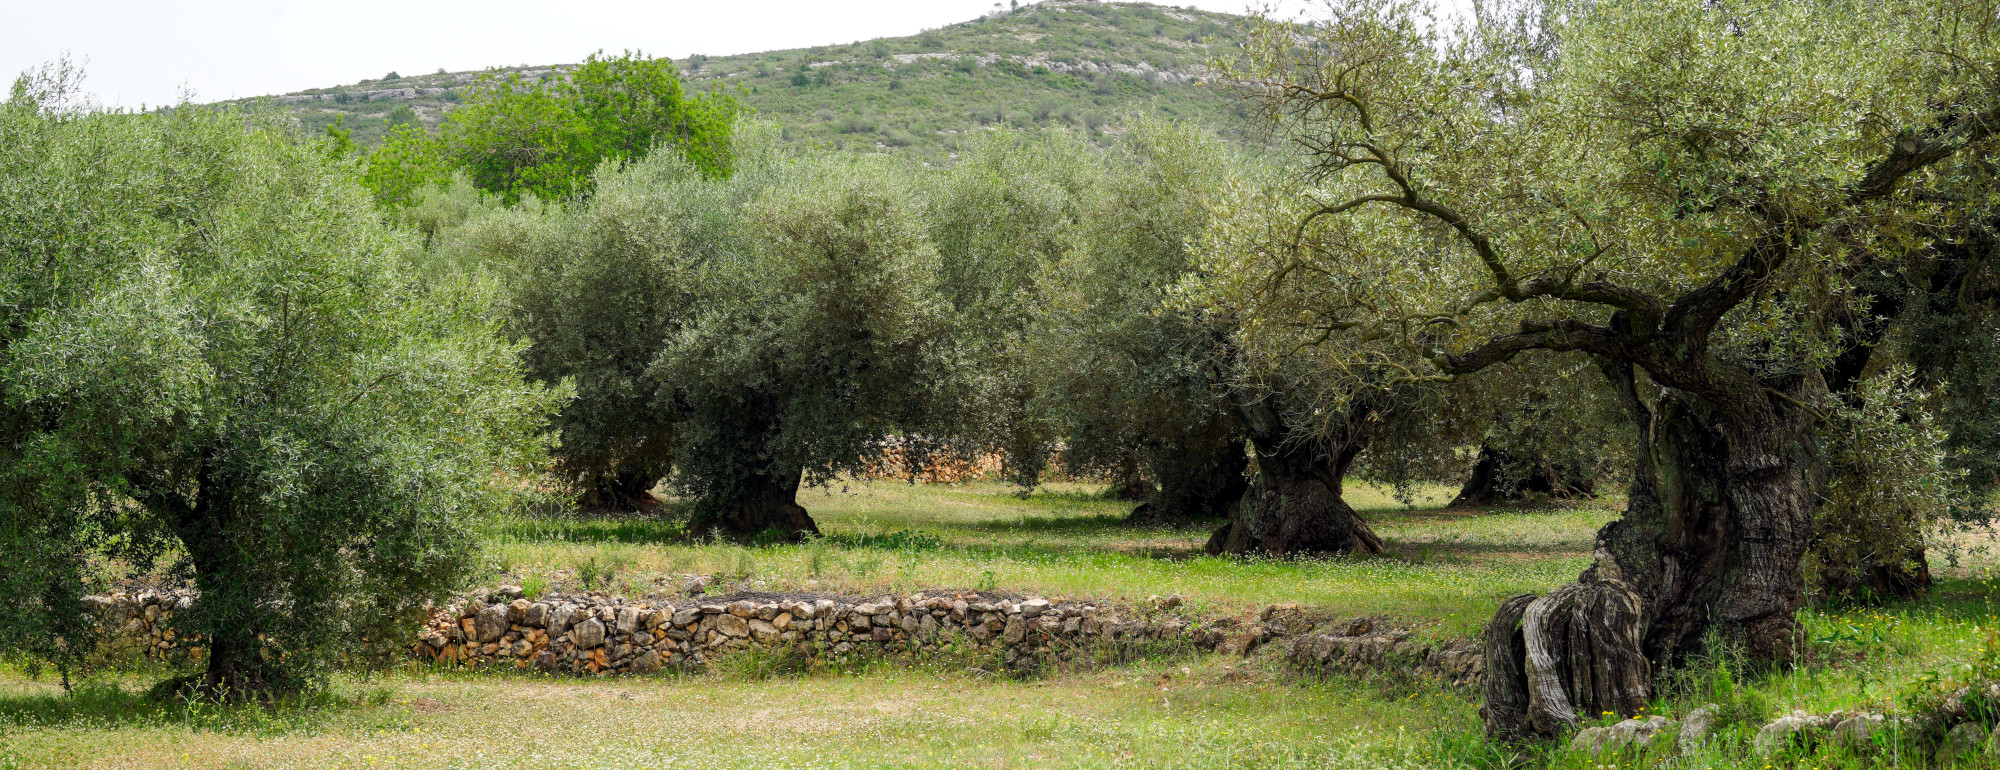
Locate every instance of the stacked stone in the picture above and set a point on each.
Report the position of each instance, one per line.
(141, 626)
(597, 634)
(1362, 646)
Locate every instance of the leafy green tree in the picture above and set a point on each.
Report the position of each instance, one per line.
(516, 136)
(211, 360)
(596, 291)
(1014, 205)
(1138, 386)
(751, 334)
(822, 335)
(1678, 194)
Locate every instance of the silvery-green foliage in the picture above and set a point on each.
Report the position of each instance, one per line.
(1123, 368)
(211, 353)
(596, 290)
(819, 329)
(1012, 206)
(1638, 145)
(1891, 489)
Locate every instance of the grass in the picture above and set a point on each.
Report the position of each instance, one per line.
(1208, 714)
(1169, 709)
(1447, 573)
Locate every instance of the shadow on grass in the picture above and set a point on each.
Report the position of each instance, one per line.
(586, 530)
(102, 704)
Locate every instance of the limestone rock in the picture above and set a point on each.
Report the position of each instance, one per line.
(490, 623)
(1697, 724)
(1782, 732)
(1627, 734)
(1015, 631)
(536, 616)
(560, 617)
(646, 663)
(741, 609)
(1033, 608)
(1964, 742)
(508, 593)
(589, 633)
(732, 625)
(762, 630)
(628, 620)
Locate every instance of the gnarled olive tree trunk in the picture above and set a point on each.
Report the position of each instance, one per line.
(1198, 479)
(1293, 506)
(1719, 517)
(765, 502)
(1488, 483)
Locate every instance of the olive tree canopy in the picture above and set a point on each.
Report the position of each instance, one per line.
(211, 358)
(1676, 189)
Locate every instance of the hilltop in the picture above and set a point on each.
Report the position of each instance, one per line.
(1064, 63)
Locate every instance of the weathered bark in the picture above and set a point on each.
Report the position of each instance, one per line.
(1488, 483)
(1294, 507)
(1198, 481)
(236, 670)
(627, 490)
(767, 503)
(1718, 519)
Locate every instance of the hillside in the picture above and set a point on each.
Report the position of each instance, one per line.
(1064, 63)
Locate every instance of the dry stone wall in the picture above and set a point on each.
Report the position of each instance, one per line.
(598, 634)
(140, 625)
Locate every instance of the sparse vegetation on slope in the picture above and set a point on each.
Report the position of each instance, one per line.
(1079, 65)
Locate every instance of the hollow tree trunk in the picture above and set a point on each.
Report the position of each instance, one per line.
(1294, 507)
(1717, 522)
(767, 502)
(1200, 478)
(1489, 484)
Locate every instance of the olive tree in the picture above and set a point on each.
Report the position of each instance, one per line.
(816, 334)
(1675, 192)
(1014, 204)
(595, 291)
(1134, 386)
(212, 360)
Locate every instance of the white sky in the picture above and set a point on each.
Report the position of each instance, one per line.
(146, 52)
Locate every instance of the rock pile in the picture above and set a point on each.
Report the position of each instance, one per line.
(598, 634)
(1364, 646)
(139, 625)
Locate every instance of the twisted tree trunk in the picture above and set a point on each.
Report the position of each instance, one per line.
(766, 506)
(1294, 506)
(1199, 479)
(1488, 483)
(1718, 518)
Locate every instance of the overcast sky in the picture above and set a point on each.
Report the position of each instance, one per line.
(146, 52)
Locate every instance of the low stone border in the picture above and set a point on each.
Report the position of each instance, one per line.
(598, 634)
(1366, 647)
(139, 625)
